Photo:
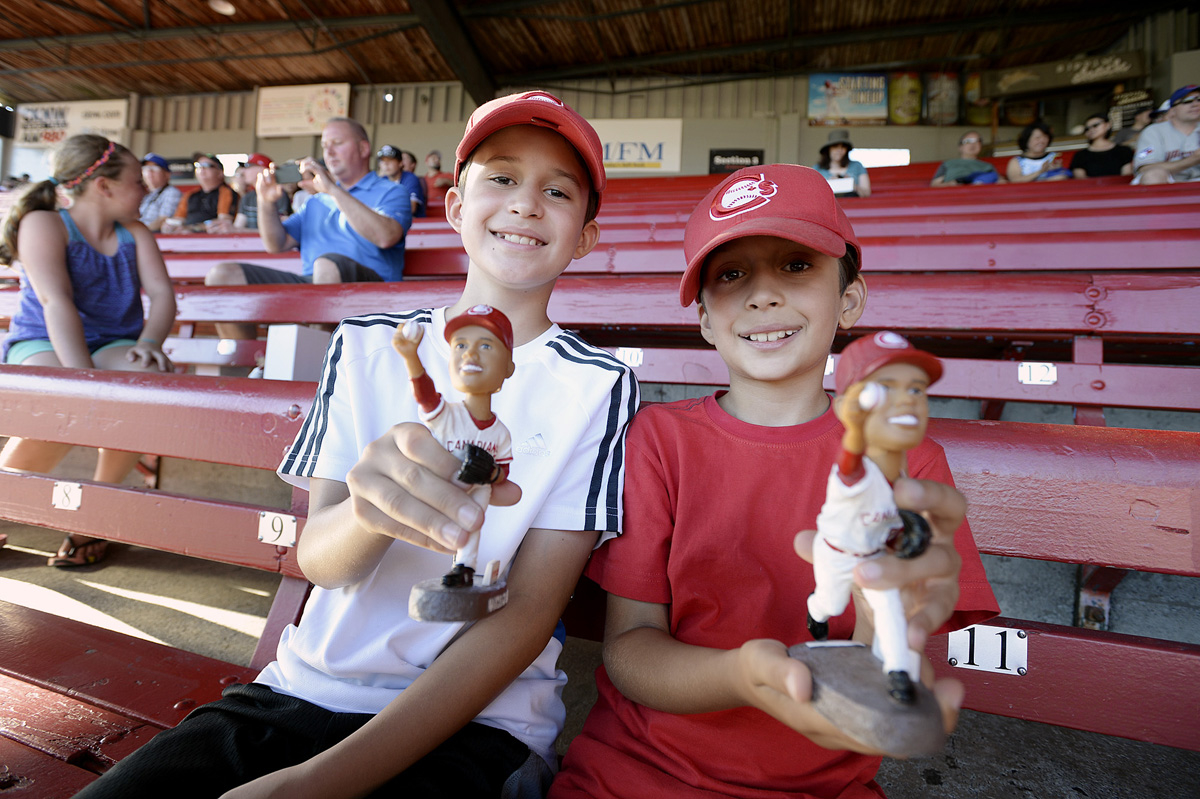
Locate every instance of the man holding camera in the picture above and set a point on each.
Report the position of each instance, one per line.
(352, 230)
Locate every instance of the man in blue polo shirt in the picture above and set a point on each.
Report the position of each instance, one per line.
(352, 230)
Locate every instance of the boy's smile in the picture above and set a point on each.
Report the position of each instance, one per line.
(771, 308)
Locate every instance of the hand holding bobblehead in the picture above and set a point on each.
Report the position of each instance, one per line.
(882, 382)
(480, 361)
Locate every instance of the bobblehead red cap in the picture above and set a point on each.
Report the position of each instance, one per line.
(534, 108)
(258, 159)
(484, 316)
(865, 355)
(782, 200)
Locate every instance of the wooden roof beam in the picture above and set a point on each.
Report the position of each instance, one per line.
(456, 48)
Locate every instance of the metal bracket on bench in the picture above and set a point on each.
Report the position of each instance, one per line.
(1094, 599)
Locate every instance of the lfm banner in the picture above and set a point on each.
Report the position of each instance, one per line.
(641, 146)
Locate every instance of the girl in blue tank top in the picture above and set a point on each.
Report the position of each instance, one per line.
(83, 270)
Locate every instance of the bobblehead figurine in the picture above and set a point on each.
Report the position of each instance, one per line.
(481, 343)
(881, 382)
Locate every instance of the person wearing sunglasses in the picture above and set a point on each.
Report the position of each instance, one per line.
(211, 207)
(1102, 156)
(1169, 151)
(967, 168)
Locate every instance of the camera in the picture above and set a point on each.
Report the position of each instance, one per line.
(287, 172)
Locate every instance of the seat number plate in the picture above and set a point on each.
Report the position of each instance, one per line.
(277, 528)
(1003, 650)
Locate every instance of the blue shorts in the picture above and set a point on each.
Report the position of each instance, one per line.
(23, 350)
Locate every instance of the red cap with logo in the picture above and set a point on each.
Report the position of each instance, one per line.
(484, 316)
(782, 200)
(258, 159)
(534, 108)
(863, 356)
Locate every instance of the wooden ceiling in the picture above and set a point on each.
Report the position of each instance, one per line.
(94, 49)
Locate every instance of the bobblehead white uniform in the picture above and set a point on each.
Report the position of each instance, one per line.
(452, 424)
(854, 525)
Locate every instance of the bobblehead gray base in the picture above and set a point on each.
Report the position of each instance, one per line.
(432, 601)
(851, 690)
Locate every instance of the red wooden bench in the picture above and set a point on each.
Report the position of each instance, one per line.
(80, 698)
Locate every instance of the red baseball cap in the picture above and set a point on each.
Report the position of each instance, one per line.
(782, 200)
(863, 356)
(534, 108)
(485, 316)
(258, 159)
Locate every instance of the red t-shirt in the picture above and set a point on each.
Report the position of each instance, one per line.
(712, 505)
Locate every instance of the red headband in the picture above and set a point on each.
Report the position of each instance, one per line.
(87, 173)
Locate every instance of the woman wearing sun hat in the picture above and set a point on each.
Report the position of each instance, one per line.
(835, 163)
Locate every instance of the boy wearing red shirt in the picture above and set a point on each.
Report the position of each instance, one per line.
(697, 696)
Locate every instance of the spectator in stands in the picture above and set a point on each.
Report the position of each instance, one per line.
(392, 168)
(83, 270)
(1102, 156)
(436, 181)
(362, 697)
(247, 216)
(967, 168)
(162, 199)
(697, 629)
(1169, 151)
(1129, 136)
(408, 162)
(352, 230)
(835, 163)
(213, 203)
(1035, 163)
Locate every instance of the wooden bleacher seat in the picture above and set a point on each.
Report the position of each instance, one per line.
(1050, 492)
(1112, 311)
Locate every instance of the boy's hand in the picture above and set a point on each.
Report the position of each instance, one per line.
(782, 688)
(403, 487)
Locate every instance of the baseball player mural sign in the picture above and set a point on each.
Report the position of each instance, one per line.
(481, 343)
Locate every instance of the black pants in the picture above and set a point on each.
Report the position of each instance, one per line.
(252, 731)
(350, 271)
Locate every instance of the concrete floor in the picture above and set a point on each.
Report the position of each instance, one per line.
(217, 610)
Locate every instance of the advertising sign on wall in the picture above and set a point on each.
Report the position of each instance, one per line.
(41, 125)
(1039, 78)
(641, 146)
(723, 161)
(300, 110)
(840, 99)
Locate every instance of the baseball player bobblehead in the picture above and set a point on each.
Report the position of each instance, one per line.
(481, 342)
(876, 695)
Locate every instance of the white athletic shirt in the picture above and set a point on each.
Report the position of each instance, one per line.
(567, 406)
(1162, 142)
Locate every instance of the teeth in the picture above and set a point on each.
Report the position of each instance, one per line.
(515, 239)
(471, 367)
(907, 420)
(772, 336)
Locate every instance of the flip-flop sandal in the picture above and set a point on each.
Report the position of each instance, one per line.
(70, 554)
